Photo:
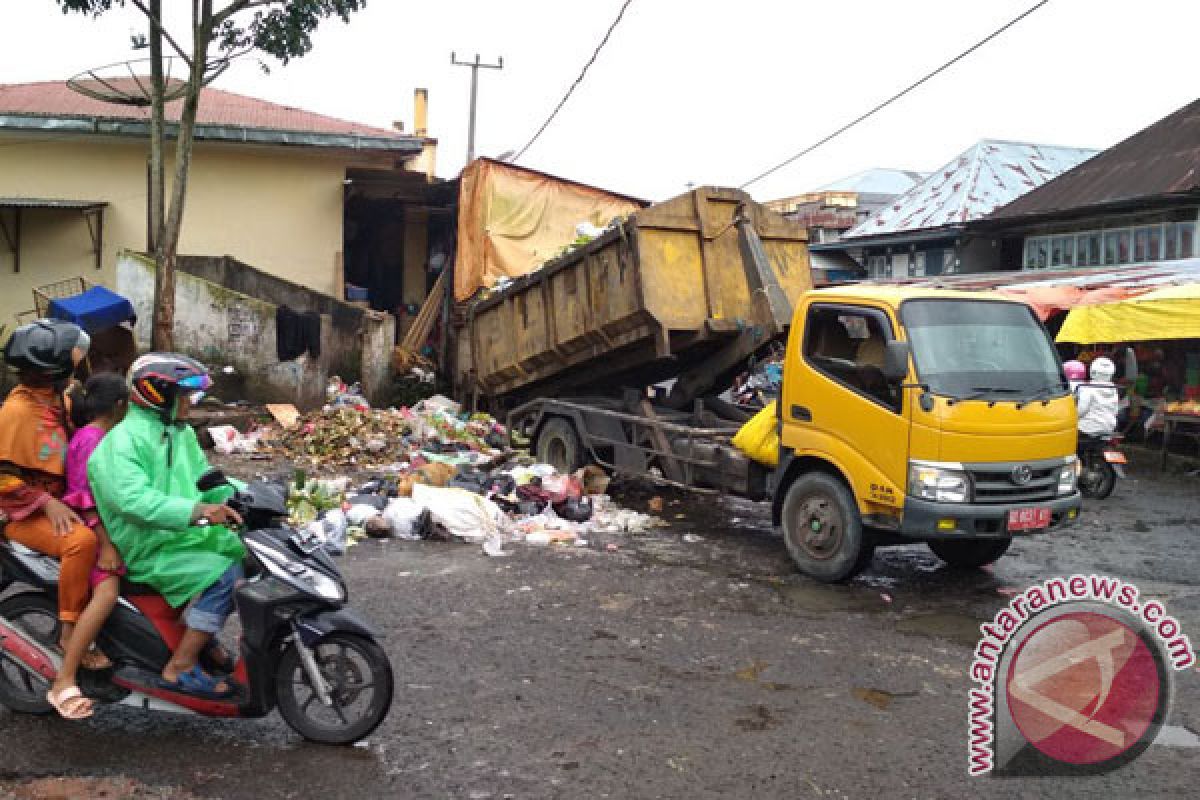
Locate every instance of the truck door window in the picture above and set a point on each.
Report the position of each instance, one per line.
(848, 345)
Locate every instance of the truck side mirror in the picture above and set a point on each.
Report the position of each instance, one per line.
(895, 361)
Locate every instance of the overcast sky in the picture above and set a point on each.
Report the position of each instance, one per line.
(704, 91)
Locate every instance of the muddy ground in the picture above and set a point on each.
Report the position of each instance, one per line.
(693, 662)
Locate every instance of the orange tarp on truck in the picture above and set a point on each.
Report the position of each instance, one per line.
(512, 220)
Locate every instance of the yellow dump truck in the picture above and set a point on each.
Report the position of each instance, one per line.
(906, 415)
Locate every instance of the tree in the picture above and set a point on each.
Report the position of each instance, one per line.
(220, 31)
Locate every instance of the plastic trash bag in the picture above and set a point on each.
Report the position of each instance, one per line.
(758, 439)
(403, 514)
(463, 514)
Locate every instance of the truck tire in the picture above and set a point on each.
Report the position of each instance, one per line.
(970, 553)
(558, 445)
(823, 530)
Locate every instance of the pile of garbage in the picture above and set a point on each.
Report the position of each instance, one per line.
(346, 434)
(516, 502)
(760, 384)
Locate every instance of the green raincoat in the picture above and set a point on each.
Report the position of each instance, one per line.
(143, 476)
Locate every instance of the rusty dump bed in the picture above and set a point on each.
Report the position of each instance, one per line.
(675, 286)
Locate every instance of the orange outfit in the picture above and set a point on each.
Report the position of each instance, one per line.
(33, 447)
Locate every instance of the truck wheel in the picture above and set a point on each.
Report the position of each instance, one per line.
(823, 530)
(970, 553)
(558, 445)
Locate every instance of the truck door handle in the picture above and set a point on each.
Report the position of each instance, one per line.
(801, 414)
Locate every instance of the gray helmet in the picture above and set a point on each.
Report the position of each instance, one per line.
(45, 347)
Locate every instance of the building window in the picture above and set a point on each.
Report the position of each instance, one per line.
(1171, 240)
(1110, 248)
(1141, 244)
(1187, 239)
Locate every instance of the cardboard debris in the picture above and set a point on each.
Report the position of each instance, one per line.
(286, 414)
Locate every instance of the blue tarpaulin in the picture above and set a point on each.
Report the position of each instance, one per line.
(96, 309)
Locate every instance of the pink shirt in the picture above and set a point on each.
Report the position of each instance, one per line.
(79, 492)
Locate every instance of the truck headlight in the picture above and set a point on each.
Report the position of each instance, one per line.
(938, 483)
(1067, 476)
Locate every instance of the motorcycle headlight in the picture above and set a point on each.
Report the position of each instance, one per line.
(938, 483)
(1067, 476)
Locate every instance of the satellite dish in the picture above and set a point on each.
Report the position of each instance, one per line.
(127, 83)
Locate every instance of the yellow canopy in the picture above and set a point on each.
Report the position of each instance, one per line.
(1172, 312)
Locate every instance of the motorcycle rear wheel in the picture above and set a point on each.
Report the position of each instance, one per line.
(356, 669)
(38, 615)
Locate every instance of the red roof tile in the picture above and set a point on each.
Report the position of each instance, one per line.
(217, 107)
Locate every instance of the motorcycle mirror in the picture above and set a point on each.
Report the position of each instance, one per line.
(211, 479)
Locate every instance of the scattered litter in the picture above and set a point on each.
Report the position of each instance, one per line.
(887, 598)
(691, 538)
(655, 505)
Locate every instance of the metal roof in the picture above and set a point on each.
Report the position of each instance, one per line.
(1161, 161)
(988, 175)
(877, 181)
(1150, 274)
(42, 202)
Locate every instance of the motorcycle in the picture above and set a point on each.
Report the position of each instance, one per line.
(301, 649)
(1101, 463)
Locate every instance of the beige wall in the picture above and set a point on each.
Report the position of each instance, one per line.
(277, 208)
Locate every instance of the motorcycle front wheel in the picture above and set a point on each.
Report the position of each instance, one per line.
(359, 675)
(1098, 480)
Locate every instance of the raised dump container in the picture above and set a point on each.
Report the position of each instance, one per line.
(701, 280)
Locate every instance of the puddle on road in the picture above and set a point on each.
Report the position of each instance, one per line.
(1176, 736)
(822, 598)
(958, 628)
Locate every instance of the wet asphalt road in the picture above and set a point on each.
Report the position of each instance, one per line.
(671, 668)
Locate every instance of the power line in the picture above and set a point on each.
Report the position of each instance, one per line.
(578, 81)
(899, 94)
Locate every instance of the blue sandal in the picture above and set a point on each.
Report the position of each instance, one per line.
(198, 682)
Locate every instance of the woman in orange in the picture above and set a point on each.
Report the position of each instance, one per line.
(33, 447)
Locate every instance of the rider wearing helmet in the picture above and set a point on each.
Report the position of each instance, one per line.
(143, 477)
(33, 448)
(1076, 373)
(1098, 400)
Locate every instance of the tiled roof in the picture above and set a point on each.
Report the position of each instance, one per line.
(980, 180)
(1158, 161)
(217, 107)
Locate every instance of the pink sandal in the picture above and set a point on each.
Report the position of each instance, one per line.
(70, 703)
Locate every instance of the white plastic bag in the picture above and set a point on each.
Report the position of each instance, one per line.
(465, 515)
(402, 514)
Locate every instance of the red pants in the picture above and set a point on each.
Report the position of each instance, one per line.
(76, 552)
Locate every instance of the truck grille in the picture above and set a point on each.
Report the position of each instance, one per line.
(995, 485)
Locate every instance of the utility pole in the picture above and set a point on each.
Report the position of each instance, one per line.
(475, 67)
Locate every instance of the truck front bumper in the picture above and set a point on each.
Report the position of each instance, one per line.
(925, 519)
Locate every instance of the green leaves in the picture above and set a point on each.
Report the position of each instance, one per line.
(279, 28)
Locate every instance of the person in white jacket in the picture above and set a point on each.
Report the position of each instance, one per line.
(1097, 400)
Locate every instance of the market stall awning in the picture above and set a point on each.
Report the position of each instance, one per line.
(1172, 312)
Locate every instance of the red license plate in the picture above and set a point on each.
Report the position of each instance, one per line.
(1114, 457)
(1028, 519)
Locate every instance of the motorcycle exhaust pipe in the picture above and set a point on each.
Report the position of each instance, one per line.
(19, 647)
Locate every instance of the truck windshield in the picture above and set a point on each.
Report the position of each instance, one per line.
(981, 349)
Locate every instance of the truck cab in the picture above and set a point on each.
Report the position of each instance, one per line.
(919, 415)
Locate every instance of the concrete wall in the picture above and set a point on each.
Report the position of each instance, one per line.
(226, 327)
(279, 208)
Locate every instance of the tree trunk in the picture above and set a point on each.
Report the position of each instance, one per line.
(160, 336)
(164, 321)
